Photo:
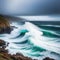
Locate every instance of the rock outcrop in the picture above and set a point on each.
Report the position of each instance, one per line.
(2, 43)
(4, 25)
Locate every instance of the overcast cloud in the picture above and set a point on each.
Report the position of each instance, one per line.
(29, 7)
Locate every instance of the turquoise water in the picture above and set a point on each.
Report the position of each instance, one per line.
(36, 41)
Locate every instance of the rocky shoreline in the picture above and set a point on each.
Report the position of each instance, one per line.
(4, 55)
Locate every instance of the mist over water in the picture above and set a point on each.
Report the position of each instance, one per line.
(34, 40)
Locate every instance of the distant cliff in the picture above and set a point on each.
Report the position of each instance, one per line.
(3, 22)
(4, 25)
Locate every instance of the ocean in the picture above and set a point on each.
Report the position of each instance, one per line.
(34, 39)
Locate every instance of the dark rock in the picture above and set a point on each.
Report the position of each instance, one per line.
(3, 46)
(3, 50)
(47, 58)
(20, 57)
(19, 54)
(5, 30)
(2, 43)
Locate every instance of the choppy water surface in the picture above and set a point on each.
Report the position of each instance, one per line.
(36, 41)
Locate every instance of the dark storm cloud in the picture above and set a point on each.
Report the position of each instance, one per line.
(29, 7)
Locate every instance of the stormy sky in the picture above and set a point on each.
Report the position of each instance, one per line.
(31, 8)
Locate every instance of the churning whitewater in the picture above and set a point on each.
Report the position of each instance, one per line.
(33, 41)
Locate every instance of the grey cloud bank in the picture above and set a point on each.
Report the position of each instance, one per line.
(29, 7)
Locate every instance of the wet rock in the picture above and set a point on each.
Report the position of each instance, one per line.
(19, 56)
(3, 46)
(2, 43)
(47, 58)
(2, 50)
